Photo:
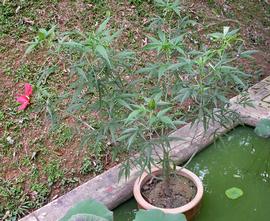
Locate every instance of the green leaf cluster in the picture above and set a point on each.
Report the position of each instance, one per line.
(91, 210)
(135, 111)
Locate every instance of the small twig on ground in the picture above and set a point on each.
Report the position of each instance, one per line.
(222, 20)
(83, 122)
(192, 156)
(80, 120)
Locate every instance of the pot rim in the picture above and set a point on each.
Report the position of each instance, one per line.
(184, 172)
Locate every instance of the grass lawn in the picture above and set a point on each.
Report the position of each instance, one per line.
(40, 163)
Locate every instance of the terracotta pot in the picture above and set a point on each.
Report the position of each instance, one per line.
(190, 209)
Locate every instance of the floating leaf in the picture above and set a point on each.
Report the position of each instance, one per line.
(263, 128)
(158, 215)
(234, 193)
(91, 207)
(86, 217)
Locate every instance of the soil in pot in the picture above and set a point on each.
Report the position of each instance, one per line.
(179, 192)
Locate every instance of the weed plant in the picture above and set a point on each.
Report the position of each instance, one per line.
(136, 110)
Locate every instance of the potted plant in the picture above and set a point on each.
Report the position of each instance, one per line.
(136, 114)
(162, 185)
(184, 183)
(205, 79)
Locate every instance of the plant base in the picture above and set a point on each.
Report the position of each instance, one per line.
(190, 209)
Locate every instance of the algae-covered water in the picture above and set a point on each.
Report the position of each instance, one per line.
(240, 159)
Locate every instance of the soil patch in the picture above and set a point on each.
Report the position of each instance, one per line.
(179, 192)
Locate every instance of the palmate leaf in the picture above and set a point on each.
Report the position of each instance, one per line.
(92, 207)
(168, 121)
(183, 95)
(151, 68)
(126, 58)
(133, 115)
(124, 103)
(157, 215)
(161, 71)
(176, 7)
(163, 112)
(238, 80)
(137, 113)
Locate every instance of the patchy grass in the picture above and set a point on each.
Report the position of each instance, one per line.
(40, 163)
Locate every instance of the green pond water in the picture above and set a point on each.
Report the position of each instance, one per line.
(240, 159)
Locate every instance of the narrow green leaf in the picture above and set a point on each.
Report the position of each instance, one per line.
(226, 30)
(179, 122)
(124, 103)
(247, 54)
(130, 130)
(103, 25)
(131, 139)
(103, 53)
(184, 94)
(133, 115)
(238, 80)
(168, 121)
(163, 112)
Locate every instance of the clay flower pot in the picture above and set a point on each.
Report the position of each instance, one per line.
(190, 209)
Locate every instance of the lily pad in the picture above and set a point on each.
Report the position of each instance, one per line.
(86, 217)
(158, 215)
(234, 193)
(263, 128)
(92, 207)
